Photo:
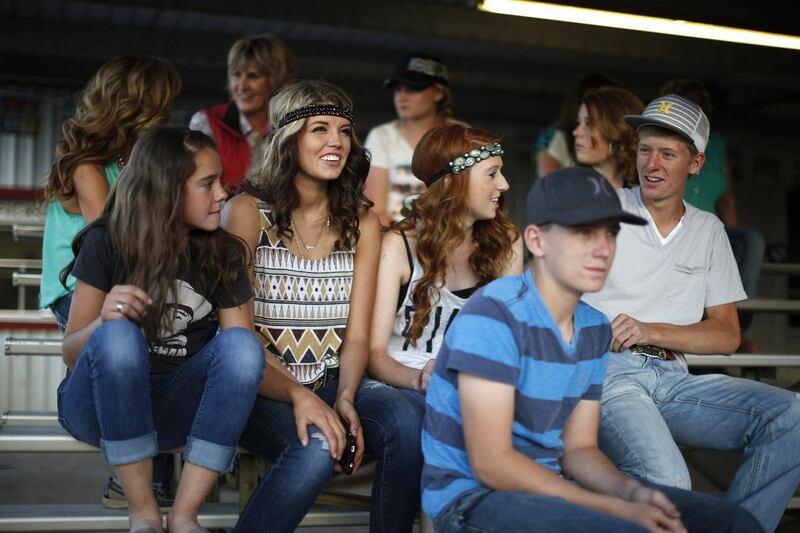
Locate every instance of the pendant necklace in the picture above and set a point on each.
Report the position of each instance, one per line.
(302, 247)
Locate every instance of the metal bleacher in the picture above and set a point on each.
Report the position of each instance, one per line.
(39, 432)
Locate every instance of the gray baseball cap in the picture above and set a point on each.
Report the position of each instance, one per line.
(676, 114)
(575, 196)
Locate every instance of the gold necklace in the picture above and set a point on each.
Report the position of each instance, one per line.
(298, 239)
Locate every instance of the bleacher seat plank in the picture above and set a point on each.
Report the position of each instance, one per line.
(25, 279)
(30, 346)
(744, 360)
(40, 439)
(16, 264)
(770, 305)
(781, 268)
(28, 418)
(26, 319)
(24, 232)
(94, 517)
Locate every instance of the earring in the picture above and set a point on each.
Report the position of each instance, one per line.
(610, 148)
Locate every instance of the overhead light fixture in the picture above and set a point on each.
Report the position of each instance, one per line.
(626, 21)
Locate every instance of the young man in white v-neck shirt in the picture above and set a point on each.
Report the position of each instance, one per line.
(672, 289)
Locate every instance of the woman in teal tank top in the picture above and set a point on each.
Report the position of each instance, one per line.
(126, 96)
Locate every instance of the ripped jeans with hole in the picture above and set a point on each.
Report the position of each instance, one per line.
(391, 419)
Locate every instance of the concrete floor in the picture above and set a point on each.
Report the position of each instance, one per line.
(80, 478)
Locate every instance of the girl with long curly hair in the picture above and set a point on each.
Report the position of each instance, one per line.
(603, 140)
(147, 370)
(315, 244)
(457, 238)
(126, 97)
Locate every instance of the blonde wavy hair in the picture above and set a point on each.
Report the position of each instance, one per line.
(127, 96)
(436, 217)
(270, 56)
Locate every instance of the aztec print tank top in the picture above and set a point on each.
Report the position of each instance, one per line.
(301, 305)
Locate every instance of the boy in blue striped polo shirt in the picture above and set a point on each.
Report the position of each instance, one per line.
(510, 431)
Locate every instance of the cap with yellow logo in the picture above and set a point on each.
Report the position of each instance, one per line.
(677, 114)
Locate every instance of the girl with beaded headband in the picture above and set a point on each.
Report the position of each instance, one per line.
(126, 97)
(314, 244)
(603, 140)
(456, 238)
(148, 371)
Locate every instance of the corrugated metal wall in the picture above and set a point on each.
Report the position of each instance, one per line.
(29, 383)
(26, 158)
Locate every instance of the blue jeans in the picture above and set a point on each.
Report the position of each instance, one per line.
(748, 248)
(60, 309)
(111, 400)
(391, 420)
(485, 510)
(162, 463)
(649, 402)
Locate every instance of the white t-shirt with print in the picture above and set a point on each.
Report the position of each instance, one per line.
(390, 151)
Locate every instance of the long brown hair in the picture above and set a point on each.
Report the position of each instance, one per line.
(607, 107)
(437, 217)
(572, 102)
(275, 183)
(126, 96)
(144, 217)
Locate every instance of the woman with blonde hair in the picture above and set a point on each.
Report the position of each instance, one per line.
(457, 238)
(126, 97)
(603, 140)
(314, 244)
(258, 66)
(422, 100)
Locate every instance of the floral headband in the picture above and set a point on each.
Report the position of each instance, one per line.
(463, 162)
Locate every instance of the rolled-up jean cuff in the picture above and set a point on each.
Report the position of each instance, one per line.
(209, 455)
(123, 452)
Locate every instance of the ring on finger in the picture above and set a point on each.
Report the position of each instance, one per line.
(118, 307)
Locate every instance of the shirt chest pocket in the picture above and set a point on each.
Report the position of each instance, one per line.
(687, 284)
